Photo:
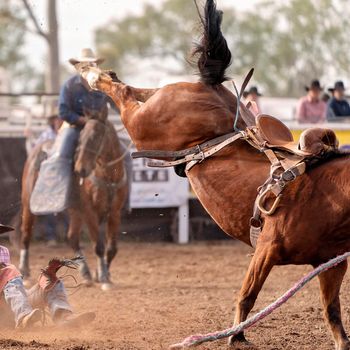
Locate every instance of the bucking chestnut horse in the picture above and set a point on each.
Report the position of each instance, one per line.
(99, 193)
(312, 222)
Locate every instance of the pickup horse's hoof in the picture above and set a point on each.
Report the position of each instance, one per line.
(107, 286)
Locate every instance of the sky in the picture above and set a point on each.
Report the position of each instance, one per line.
(79, 18)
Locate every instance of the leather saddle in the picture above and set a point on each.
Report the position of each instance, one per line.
(312, 142)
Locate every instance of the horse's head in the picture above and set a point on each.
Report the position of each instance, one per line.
(96, 78)
(90, 145)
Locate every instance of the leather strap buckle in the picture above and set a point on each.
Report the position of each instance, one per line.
(201, 153)
(254, 222)
(289, 175)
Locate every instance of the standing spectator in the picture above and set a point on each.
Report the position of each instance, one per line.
(311, 108)
(50, 133)
(338, 106)
(252, 96)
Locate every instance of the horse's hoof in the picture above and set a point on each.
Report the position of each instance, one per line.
(107, 286)
(240, 343)
(87, 283)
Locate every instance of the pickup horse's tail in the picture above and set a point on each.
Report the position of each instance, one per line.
(214, 54)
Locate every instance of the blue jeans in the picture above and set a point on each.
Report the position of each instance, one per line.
(19, 299)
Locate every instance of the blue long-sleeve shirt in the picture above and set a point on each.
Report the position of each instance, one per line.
(337, 108)
(76, 100)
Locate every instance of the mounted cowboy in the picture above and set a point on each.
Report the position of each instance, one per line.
(84, 172)
(76, 97)
(77, 103)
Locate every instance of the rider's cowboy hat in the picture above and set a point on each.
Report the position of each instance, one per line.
(4, 228)
(315, 85)
(339, 85)
(86, 55)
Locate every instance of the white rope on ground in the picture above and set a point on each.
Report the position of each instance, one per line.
(198, 339)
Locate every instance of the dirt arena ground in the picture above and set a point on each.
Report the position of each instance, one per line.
(166, 292)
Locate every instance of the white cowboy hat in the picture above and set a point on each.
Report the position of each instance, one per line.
(4, 228)
(86, 55)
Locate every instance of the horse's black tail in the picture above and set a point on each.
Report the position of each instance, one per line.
(214, 54)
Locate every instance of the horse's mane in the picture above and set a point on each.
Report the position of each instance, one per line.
(213, 53)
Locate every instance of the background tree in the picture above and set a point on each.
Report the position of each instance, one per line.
(289, 43)
(12, 38)
(52, 74)
(17, 19)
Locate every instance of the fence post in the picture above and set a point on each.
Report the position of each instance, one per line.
(183, 217)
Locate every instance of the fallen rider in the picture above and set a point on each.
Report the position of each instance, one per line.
(27, 305)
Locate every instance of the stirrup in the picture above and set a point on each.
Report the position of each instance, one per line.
(261, 199)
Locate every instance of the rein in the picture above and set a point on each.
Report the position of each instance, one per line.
(115, 185)
(101, 182)
(116, 161)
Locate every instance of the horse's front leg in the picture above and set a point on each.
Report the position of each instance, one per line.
(113, 225)
(259, 268)
(27, 225)
(92, 220)
(74, 231)
(330, 283)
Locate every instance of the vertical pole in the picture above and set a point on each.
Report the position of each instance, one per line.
(184, 218)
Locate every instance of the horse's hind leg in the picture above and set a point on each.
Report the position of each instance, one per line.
(330, 283)
(74, 231)
(27, 225)
(259, 268)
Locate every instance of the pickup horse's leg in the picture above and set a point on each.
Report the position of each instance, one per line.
(92, 221)
(330, 283)
(27, 225)
(113, 226)
(74, 230)
(259, 268)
